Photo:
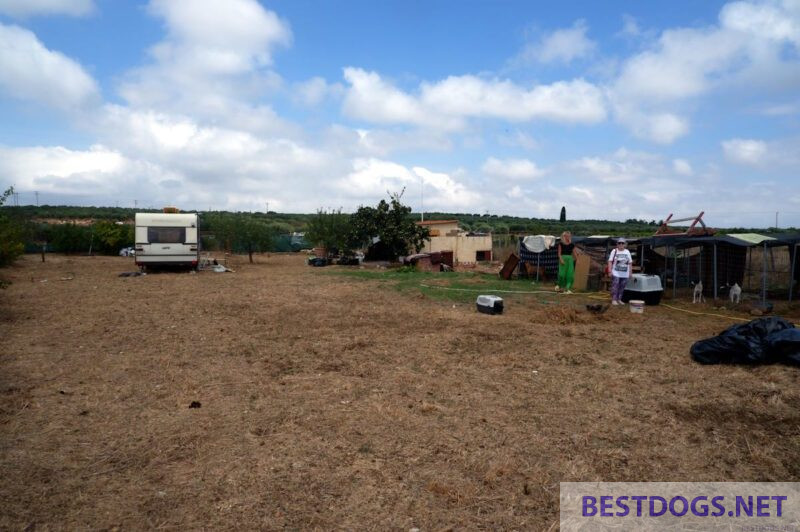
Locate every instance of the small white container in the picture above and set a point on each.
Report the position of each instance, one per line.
(637, 306)
(490, 304)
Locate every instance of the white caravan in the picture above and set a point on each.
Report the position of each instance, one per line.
(166, 239)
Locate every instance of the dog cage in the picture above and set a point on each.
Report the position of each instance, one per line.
(764, 267)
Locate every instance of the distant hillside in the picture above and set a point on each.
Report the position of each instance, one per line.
(499, 224)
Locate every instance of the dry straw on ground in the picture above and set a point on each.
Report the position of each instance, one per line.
(328, 402)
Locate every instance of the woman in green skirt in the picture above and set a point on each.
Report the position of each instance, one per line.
(566, 263)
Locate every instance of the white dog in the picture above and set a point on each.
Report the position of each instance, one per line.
(697, 297)
(735, 293)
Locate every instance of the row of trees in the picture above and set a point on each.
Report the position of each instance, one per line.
(11, 234)
(386, 231)
(103, 237)
(288, 222)
(223, 231)
(241, 234)
(292, 222)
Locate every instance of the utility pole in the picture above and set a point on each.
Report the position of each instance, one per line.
(135, 204)
(422, 198)
(776, 219)
(37, 197)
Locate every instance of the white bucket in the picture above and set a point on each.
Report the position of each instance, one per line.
(637, 306)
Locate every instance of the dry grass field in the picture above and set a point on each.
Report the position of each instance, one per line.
(333, 402)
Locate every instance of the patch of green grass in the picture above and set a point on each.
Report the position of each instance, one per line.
(447, 286)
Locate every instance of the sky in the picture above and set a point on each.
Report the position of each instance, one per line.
(615, 110)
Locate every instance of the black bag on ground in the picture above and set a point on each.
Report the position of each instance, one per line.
(785, 345)
(750, 343)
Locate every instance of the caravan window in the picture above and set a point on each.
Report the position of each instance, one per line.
(166, 235)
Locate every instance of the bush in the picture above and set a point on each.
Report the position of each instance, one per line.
(329, 230)
(70, 238)
(11, 234)
(392, 224)
(109, 237)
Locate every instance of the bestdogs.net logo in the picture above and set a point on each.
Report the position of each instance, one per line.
(754, 506)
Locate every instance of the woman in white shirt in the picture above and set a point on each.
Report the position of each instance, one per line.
(620, 264)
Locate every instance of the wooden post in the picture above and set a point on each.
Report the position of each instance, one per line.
(764, 278)
(716, 282)
(791, 273)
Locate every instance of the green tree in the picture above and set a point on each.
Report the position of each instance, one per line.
(11, 234)
(109, 237)
(392, 224)
(330, 230)
(252, 235)
(70, 237)
(40, 235)
(563, 217)
(222, 226)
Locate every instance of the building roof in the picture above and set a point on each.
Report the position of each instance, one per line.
(437, 222)
(686, 241)
(752, 238)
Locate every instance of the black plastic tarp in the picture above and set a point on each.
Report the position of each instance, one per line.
(762, 341)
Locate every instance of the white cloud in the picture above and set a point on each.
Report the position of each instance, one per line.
(201, 125)
(786, 109)
(519, 139)
(778, 21)
(27, 8)
(682, 167)
(313, 91)
(375, 177)
(575, 101)
(26, 166)
(32, 72)
(447, 103)
(744, 151)
(564, 45)
(746, 47)
(515, 192)
(623, 166)
(181, 142)
(228, 37)
(584, 192)
(220, 166)
(680, 66)
(92, 175)
(444, 192)
(630, 27)
(213, 63)
(512, 169)
(380, 143)
(661, 128)
(372, 99)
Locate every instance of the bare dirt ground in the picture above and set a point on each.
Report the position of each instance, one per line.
(329, 402)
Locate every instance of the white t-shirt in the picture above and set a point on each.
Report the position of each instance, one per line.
(620, 263)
